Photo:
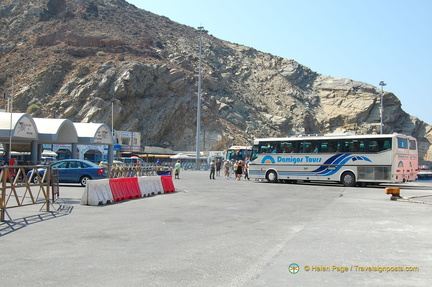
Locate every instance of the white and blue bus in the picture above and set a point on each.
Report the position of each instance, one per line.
(236, 152)
(348, 159)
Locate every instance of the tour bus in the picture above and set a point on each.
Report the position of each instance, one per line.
(348, 159)
(238, 152)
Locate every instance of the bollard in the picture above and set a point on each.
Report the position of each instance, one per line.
(394, 191)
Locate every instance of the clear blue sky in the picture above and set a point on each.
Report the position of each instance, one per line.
(363, 40)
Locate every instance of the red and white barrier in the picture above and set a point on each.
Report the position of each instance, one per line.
(167, 183)
(116, 189)
(124, 188)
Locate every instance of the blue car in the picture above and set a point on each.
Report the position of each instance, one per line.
(72, 171)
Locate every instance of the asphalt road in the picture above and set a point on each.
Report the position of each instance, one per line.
(225, 233)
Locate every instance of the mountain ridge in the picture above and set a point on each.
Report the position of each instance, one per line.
(71, 59)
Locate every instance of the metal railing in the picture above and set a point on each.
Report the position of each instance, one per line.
(19, 190)
(135, 170)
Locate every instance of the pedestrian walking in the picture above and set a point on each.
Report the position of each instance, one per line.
(177, 167)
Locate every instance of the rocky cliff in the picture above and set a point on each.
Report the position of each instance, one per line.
(74, 59)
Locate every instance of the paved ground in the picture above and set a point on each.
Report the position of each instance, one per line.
(225, 233)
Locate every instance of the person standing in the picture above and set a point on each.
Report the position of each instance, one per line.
(218, 167)
(246, 169)
(212, 169)
(235, 167)
(239, 169)
(177, 167)
(227, 169)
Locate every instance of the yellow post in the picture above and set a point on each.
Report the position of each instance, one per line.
(394, 191)
(50, 188)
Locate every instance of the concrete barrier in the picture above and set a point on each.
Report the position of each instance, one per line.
(155, 184)
(117, 189)
(145, 186)
(97, 192)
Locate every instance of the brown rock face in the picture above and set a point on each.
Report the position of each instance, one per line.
(71, 59)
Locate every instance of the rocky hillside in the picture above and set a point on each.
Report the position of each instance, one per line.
(73, 58)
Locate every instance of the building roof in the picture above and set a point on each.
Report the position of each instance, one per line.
(17, 126)
(24, 129)
(56, 131)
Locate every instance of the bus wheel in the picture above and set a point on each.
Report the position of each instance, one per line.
(348, 179)
(271, 176)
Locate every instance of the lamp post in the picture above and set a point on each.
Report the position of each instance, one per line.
(112, 117)
(198, 135)
(10, 107)
(382, 84)
(111, 146)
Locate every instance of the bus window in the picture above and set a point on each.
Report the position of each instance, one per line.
(387, 144)
(373, 146)
(402, 143)
(412, 145)
(351, 146)
(316, 146)
(324, 147)
(377, 145)
(362, 146)
(269, 148)
(255, 152)
(287, 147)
(265, 148)
(306, 147)
(284, 147)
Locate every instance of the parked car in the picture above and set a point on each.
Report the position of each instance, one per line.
(115, 163)
(72, 171)
(45, 160)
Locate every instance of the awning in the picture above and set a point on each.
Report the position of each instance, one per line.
(180, 156)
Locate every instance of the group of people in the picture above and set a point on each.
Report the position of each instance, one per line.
(238, 168)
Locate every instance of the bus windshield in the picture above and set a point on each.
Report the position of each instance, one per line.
(238, 153)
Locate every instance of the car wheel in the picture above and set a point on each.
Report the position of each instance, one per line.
(84, 179)
(35, 180)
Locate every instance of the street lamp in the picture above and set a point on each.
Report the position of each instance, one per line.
(112, 117)
(201, 31)
(382, 84)
(111, 147)
(10, 107)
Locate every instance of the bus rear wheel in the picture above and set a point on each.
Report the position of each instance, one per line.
(348, 179)
(271, 176)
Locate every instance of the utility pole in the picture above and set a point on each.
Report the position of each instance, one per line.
(201, 31)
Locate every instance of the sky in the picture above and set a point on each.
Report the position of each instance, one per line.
(363, 40)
